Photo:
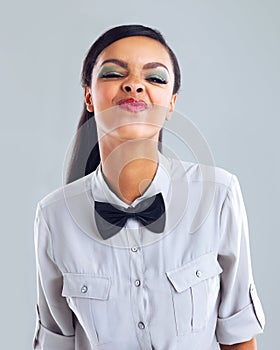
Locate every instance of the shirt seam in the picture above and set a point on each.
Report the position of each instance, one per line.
(50, 235)
(216, 182)
(223, 204)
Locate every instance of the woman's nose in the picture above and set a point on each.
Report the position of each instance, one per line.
(133, 87)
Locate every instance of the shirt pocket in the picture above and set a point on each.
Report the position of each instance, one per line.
(195, 288)
(88, 297)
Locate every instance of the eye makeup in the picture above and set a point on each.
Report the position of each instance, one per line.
(109, 71)
(158, 76)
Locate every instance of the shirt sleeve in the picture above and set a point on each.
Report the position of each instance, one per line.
(54, 324)
(240, 314)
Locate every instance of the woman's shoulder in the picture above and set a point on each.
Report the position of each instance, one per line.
(200, 172)
(65, 192)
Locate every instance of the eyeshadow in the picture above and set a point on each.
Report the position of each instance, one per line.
(161, 75)
(107, 69)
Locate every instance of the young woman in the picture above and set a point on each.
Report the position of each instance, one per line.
(119, 266)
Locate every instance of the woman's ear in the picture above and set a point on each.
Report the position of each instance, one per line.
(171, 106)
(88, 99)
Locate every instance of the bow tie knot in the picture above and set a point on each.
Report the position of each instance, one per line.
(150, 213)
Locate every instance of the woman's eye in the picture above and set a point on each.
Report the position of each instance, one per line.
(157, 79)
(111, 75)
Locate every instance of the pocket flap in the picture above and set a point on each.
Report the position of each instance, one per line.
(194, 272)
(85, 286)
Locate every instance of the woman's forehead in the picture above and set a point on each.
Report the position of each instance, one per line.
(136, 49)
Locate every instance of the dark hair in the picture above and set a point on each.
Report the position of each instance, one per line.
(83, 162)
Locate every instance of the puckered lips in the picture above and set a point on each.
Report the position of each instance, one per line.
(133, 104)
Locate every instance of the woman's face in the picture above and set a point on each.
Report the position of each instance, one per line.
(131, 89)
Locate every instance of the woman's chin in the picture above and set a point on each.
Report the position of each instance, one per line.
(136, 132)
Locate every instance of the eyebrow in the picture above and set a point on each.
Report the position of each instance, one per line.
(125, 65)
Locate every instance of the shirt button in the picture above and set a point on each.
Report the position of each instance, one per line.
(134, 249)
(198, 273)
(141, 325)
(84, 289)
(137, 283)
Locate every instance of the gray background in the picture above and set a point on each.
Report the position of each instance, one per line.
(229, 54)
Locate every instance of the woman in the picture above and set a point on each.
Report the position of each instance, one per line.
(118, 264)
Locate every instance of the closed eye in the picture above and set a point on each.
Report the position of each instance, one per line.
(111, 75)
(156, 79)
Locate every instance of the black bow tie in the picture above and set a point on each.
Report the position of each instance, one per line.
(150, 212)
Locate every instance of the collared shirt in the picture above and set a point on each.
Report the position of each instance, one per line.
(189, 287)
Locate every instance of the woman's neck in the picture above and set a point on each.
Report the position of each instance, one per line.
(129, 167)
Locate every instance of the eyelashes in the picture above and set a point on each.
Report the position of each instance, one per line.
(111, 75)
(154, 78)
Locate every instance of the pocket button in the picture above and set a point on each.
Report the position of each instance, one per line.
(198, 273)
(84, 289)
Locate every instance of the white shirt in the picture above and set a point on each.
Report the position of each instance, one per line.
(190, 287)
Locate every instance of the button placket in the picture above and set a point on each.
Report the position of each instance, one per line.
(141, 325)
(137, 283)
(137, 279)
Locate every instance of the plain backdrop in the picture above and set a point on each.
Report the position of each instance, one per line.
(229, 55)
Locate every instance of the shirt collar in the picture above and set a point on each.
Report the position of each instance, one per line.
(161, 183)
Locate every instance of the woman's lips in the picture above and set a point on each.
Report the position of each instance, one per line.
(132, 104)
